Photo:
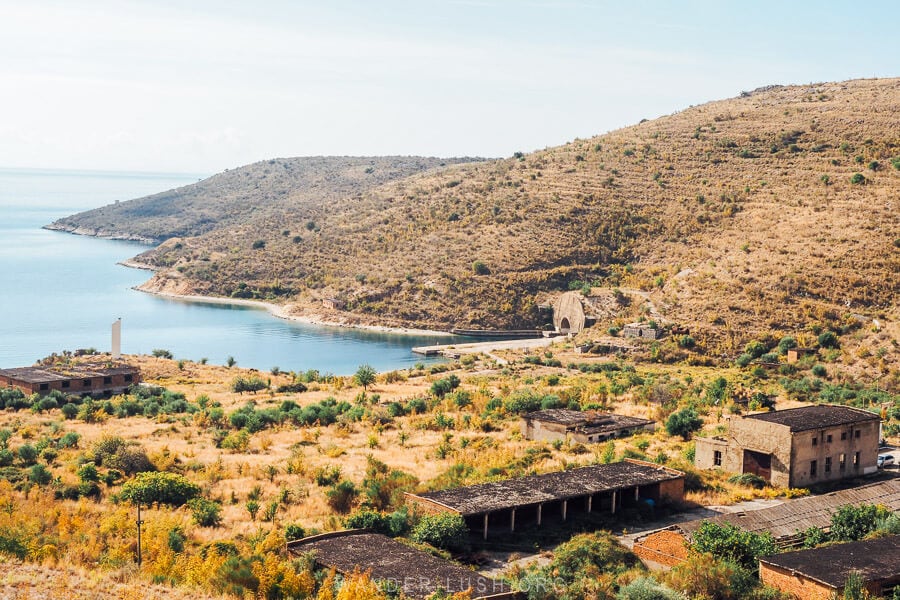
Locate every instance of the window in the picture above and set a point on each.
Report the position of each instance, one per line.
(828, 439)
(44, 387)
(717, 458)
(856, 460)
(66, 384)
(843, 435)
(842, 462)
(828, 464)
(86, 382)
(816, 441)
(856, 434)
(813, 467)
(108, 380)
(129, 378)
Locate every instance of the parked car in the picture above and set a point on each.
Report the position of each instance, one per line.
(885, 460)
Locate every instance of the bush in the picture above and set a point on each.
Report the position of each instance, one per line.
(392, 524)
(731, 543)
(590, 553)
(748, 479)
(851, 523)
(442, 387)
(27, 454)
(445, 531)
(480, 268)
(683, 423)
(647, 588)
(69, 411)
(342, 496)
(828, 339)
(293, 531)
(819, 370)
(40, 475)
(160, 488)
(162, 353)
(206, 513)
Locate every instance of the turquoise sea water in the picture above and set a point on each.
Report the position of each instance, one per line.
(61, 292)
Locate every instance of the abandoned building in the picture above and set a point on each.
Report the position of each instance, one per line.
(568, 314)
(821, 573)
(334, 303)
(785, 522)
(87, 379)
(538, 498)
(797, 447)
(647, 331)
(580, 426)
(397, 566)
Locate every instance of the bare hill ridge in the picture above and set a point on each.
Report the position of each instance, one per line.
(304, 186)
(773, 210)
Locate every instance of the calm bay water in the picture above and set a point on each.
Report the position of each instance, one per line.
(62, 291)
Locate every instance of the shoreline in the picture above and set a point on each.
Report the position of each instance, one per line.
(279, 311)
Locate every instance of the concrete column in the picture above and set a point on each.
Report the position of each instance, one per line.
(486, 515)
(614, 502)
(512, 520)
(540, 506)
(590, 499)
(565, 505)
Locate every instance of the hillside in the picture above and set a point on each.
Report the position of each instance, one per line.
(282, 188)
(737, 216)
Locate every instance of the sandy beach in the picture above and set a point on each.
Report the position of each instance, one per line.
(281, 311)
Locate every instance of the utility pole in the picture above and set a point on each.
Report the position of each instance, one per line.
(139, 523)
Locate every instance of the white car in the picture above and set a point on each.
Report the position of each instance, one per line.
(885, 460)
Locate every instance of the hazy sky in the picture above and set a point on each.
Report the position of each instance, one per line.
(202, 86)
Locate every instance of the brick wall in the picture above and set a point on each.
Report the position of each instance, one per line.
(666, 547)
(796, 585)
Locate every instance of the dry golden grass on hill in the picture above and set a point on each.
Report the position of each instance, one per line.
(738, 216)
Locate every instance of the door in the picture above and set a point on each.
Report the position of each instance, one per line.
(758, 463)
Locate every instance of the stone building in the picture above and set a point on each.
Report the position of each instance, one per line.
(91, 379)
(642, 330)
(580, 426)
(820, 573)
(797, 447)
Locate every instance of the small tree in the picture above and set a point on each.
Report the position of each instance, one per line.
(364, 376)
(206, 513)
(252, 508)
(732, 543)
(851, 523)
(160, 488)
(684, 423)
(342, 496)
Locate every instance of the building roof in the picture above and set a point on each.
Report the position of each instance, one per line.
(63, 373)
(875, 560)
(816, 417)
(417, 573)
(785, 520)
(561, 485)
(587, 421)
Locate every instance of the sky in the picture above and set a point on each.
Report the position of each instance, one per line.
(201, 86)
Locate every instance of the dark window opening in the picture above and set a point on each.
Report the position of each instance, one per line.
(816, 441)
(856, 434)
(129, 378)
(828, 438)
(107, 380)
(813, 467)
(717, 458)
(86, 382)
(828, 464)
(843, 435)
(44, 387)
(66, 384)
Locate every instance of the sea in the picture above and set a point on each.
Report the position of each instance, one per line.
(60, 291)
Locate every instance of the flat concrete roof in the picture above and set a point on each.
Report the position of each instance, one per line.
(417, 573)
(874, 560)
(816, 417)
(561, 485)
(65, 373)
(589, 421)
